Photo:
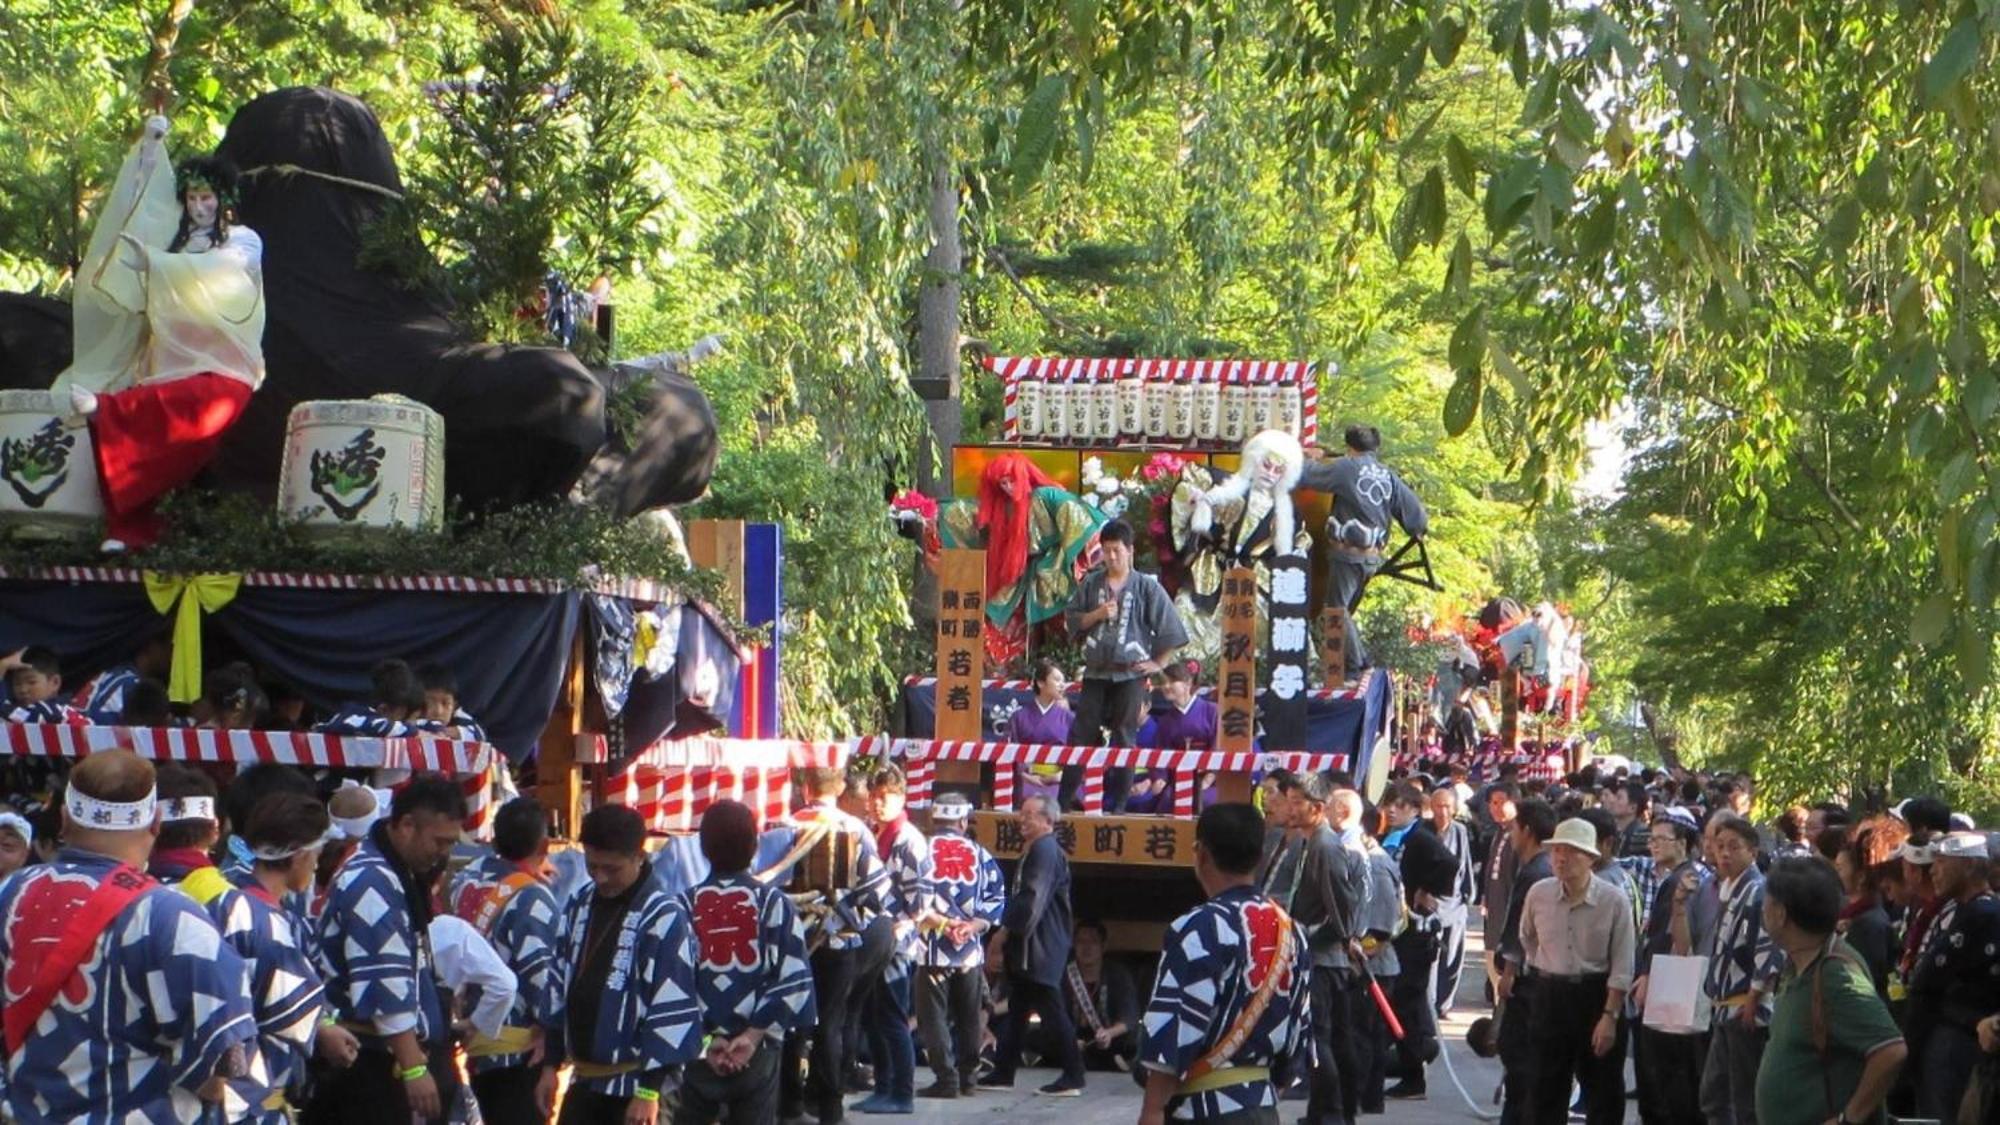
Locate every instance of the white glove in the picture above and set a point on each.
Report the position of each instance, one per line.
(156, 128)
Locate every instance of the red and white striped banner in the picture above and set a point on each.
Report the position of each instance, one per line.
(635, 589)
(1296, 373)
(472, 763)
(673, 782)
(1356, 690)
(763, 753)
(1007, 757)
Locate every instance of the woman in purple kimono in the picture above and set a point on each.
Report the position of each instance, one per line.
(1187, 722)
(1046, 719)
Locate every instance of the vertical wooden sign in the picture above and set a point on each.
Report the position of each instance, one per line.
(1333, 646)
(1236, 691)
(961, 625)
(1285, 706)
(718, 545)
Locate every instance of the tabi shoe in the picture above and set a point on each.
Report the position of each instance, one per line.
(995, 1082)
(883, 1104)
(939, 1089)
(1061, 1089)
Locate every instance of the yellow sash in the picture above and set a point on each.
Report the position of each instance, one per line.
(510, 1041)
(204, 885)
(1224, 1076)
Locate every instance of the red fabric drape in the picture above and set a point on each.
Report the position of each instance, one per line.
(155, 437)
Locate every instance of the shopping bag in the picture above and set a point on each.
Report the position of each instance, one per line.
(1675, 1001)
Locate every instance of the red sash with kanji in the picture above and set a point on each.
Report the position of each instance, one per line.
(81, 926)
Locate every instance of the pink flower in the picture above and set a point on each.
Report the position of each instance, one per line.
(1161, 466)
(1158, 528)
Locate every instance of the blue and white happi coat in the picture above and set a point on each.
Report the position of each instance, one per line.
(967, 885)
(854, 909)
(648, 1013)
(1211, 965)
(149, 1017)
(908, 859)
(524, 933)
(750, 958)
(286, 999)
(376, 963)
(1743, 955)
(360, 721)
(102, 700)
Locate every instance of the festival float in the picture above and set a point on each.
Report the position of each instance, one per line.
(224, 334)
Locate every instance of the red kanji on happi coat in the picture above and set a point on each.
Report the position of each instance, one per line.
(725, 923)
(953, 860)
(1265, 924)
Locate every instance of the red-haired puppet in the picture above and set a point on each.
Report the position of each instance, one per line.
(1039, 540)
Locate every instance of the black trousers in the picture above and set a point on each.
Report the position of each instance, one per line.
(1023, 996)
(369, 1092)
(1334, 1092)
(588, 1107)
(1564, 1016)
(749, 1097)
(1110, 709)
(1451, 964)
(1517, 1054)
(948, 1018)
(1377, 1049)
(1411, 998)
(1669, 1074)
(833, 988)
(507, 1096)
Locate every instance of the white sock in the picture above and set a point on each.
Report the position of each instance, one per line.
(83, 401)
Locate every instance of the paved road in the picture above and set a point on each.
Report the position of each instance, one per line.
(1113, 1098)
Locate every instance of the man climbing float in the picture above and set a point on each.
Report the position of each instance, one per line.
(1366, 496)
(1039, 540)
(169, 331)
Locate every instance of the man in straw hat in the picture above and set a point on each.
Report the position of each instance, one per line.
(90, 941)
(1579, 937)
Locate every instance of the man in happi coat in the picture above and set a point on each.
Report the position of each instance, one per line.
(907, 854)
(823, 839)
(755, 984)
(375, 956)
(1227, 1013)
(1367, 496)
(968, 893)
(91, 942)
(285, 833)
(506, 896)
(627, 1017)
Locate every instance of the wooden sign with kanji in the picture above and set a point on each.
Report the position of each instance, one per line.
(961, 621)
(1236, 690)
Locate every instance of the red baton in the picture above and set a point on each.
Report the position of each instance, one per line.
(1388, 1013)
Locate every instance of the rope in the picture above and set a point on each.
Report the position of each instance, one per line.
(295, 170)
(1444, 1056)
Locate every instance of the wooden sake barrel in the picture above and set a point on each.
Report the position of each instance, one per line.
(50, 472)
(364, 465)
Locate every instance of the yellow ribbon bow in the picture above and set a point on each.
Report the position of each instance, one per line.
(197, 594)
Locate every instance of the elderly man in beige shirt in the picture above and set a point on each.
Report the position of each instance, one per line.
(1580, 941)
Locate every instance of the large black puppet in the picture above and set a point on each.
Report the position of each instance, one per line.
(521, 423)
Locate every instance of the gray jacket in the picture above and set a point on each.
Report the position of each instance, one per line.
(1332, 898)
(1144, 627)
(1366, 495)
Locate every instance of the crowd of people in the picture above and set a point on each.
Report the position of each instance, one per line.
(271, 949)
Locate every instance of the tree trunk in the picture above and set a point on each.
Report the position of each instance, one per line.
(938, 335)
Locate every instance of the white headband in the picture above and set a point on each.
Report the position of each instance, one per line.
(188, 808)
(19, 824)
(87, 811)
(279, 855)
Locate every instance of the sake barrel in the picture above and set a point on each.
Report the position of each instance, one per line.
(1028, 405)
(50, 470)
(364, 465)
